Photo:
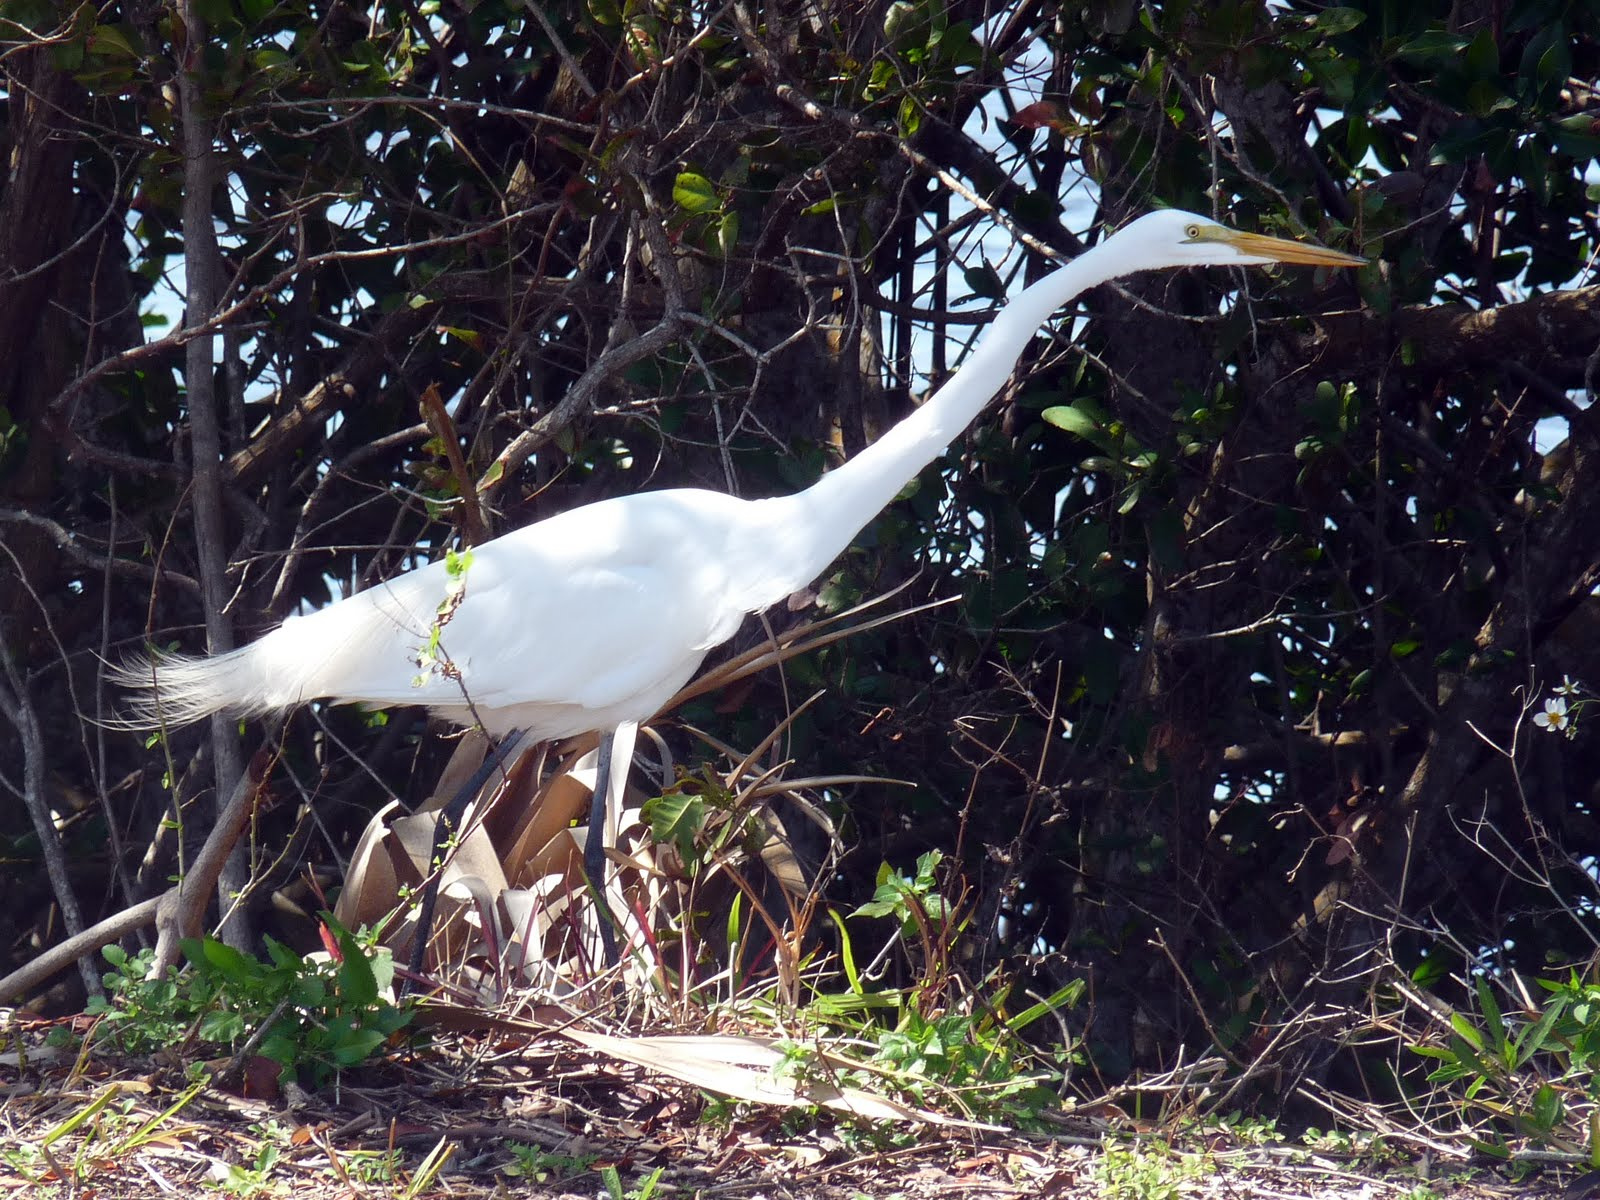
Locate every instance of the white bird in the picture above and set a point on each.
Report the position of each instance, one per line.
(589, 621)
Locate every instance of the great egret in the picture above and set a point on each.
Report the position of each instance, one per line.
(588, 621)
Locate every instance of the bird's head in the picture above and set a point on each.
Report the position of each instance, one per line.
(1171, 237)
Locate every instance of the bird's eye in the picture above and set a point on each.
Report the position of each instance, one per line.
(1192, 232)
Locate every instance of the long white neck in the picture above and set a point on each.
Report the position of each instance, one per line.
(821, 521)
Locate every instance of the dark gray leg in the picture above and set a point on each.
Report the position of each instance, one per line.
(449, 819)
(594, 849)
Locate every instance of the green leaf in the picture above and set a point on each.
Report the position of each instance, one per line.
(735, 922)
(1533, 1038)
(728, 234)
(1555, 64)
(1434, 45)
(230, 963)
(878, 907)
(1430, 971)
(1547, 1108)
(694, 193)
(282, 956)
(1483, 55)
(1131, 500)
(1485, 97)
(1065, 997)
(1466, 1031)
(356, 981)
(470, 336)
(1100, 464)
(1075, 420)
(984, 281)
(676, 820)
(606, 12)
(67, 56)
(898, 19)
(1491, 1016)
(910, 117)
(1333, 21)
(112, 40)
(847, 954)
(355, 1045)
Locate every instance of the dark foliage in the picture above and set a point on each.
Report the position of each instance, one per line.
(1235, 712)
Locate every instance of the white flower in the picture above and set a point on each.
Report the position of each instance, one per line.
(1554, 716)
(1568, 686)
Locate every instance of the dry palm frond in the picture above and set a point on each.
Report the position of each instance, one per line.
(514, 910)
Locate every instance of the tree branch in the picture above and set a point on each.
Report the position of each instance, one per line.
(1449, 338)
(580, 398)
(18, 708)
(200, 281)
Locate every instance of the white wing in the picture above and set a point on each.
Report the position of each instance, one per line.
(575, 622)
(586, 608)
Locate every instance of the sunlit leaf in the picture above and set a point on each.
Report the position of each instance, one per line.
(694, 194)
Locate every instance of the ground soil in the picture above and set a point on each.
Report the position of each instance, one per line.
(549, 1119)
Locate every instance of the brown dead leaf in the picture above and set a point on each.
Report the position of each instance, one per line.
(746, 1069)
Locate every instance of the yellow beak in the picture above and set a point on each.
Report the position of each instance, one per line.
(1281, 250)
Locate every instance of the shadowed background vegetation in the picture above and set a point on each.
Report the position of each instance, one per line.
(1233, 717)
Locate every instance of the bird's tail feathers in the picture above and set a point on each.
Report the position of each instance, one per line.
(169, 690)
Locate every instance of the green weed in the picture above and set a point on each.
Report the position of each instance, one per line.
(1529, 1073)
(541, 1166)
(1148, 1171)
(309, 1015)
